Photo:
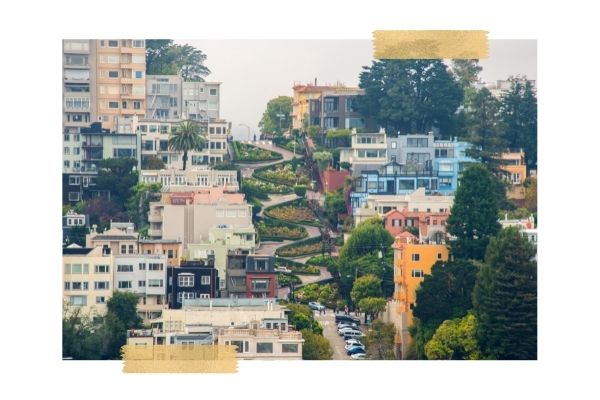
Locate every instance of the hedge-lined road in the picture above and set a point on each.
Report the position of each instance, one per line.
(248, 168)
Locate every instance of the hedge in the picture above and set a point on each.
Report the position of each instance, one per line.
(281, 251)
(296, 267)
(296, 202)
(274, 156)
(278, 223)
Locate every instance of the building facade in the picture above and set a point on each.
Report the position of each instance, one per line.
(367, 149)
(263, 344)
(87, 279)
(120, 238)
(202, 177)
(191, 280)
(431, 226)
(172, 249)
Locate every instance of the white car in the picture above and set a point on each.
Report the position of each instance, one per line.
(359, 356)
(346, 329)
(353, 341)
(346, 324)
(282, 269)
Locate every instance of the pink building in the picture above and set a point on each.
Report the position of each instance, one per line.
(430, 225)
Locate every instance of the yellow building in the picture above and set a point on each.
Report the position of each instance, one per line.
(412, 261)
(120, 79)
(303, 94)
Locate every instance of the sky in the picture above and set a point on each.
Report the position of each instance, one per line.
(254, 71)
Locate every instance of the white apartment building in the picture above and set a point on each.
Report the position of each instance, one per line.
(145, 275)
(200, 177)
(87, 278)
(367, 149)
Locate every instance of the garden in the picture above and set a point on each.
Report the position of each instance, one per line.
(325, 294)
(248, 153)
(302, 248)
(266, 187)
(287, 173)
(296, 211)
(296, 267)
(285, 279)
(269, 229)
(288, 144)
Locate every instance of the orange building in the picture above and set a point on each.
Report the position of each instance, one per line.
(513, 163)
(412, 261)
(173, 249)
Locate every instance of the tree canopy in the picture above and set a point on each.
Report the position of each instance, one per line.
(187, 137)
(278, 116)
(410, 95)
(474, 215)
(315, 347)
(163, 57)
(366, 286)
(505, 299)
(455, 339)
(379, 340)
(372, 306)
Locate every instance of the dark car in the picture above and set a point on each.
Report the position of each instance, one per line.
(355, 350)
(346, 318)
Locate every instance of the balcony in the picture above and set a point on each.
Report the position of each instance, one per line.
(86, 145)
(139, 333)
(151, 307)
(154, 232)
(154, 218)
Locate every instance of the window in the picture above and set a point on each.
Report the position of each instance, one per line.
(516, 178)
(141, 283)
(289, 347)
(416, 257)
(113, 104)
(74, 180)
(445, 167)
(78, 300)
(439, 256)
(260, 284)
(67, 285)
(138, 43)
(67, 150)
(67, 163)
(170, 254)
(130, 249)
(241, 346)
(264, 347)
(213, 92)
(139, 74)
(205, 280)
(185, 296)
(137, 105)
(394, 145)
(113, 43)
(396, 222)
(142, 266)
(416, 142)
(100, 300)
(124, 284)
(417, 273)
(79, 286)
(113, 74)
(76, 269)
(66, 138)
(155, 283)
(124, 268)
(103, 285)
(261, 265)
(186, 280)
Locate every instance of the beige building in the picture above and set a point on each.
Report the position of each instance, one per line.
(417, 201)
(189, 216)
(120, 238)
(88, 276)
(263, 344)
(201, 177)
(172, 249)
(368, 148)
(120, 73)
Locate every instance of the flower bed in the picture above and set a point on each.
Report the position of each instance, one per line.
(283, 174)
(296, 267)
(295, 211)
(267, 187)
(269, 229)
(248, 153)
(284, 279)
(303, 248)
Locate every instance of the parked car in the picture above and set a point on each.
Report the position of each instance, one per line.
(353, 335)
(347, 324)
(352, 341)
(342, 331)
(346, 318)
(355, 350)
(282, 269)
(358, 356)
(353, 345)
(315, 305)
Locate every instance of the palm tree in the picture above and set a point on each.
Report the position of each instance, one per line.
(187, 137)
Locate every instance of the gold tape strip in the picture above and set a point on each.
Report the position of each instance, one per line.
(430, 44)
(179, 358)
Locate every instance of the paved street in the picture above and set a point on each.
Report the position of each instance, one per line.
(327, 321)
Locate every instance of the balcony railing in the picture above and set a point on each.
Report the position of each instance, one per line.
(260, 333)
(154, 218)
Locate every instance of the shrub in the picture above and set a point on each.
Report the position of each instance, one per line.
(300, 190)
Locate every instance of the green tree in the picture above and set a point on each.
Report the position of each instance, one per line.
(323, 159)
(121, 316)
(117, 175)
(76, 234)
(518, 113)
(361, 255)
(138, 204)
(185, 138)
(278, 115)
(364, 287)
(443, 295)
(301, 317)
(466, 71)
(505, 299)
(335, 204)
(455, 340)
(300, 190)
(483, 127)
(153, 163)
(77, 335)
(474, 215)
(163, 57)
(315, 347)
(531, 193)
(410, 95)
(101, 211)
(313, 130)
(379, 340)
(372, 306)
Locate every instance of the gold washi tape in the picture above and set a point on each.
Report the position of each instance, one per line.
(179, 358)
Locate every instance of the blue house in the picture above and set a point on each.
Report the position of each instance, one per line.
(449, 162)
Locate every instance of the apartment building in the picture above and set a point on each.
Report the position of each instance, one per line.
(364, 207)
(189, 216)
(87, 278)
(450, 161)
(513, 163)
(144, 275)
(412, 261)
(120, 72)
(250, 276)
(431, 226)
(263, 344)
(191, 280)
(155, 142)
(163, 97)
(200, 101)
(201, 177)
(415, 151)
(328, 106)
(120, 238)
(223, 240)
(172, 249)
(367, 149)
